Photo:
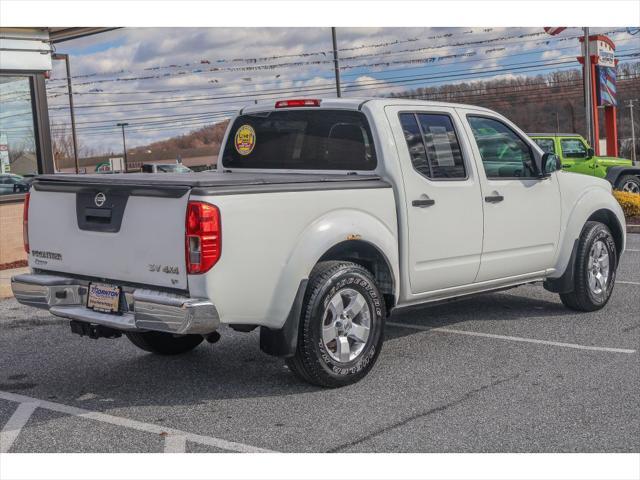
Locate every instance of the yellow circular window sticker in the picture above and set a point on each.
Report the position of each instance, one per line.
(245, 139)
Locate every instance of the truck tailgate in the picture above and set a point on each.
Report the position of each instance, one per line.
(132, 234)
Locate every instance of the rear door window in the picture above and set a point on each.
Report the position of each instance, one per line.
(319, 139)
(433, 145)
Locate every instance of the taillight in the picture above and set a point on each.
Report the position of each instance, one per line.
(305, 102)
(202, 238)
(25, 222)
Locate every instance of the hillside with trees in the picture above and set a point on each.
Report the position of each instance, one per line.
(544, 103)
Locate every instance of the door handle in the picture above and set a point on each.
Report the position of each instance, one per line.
(493, 198)
(423, 202)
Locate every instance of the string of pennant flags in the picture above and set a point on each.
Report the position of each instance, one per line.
(275, 57)
(206, 65)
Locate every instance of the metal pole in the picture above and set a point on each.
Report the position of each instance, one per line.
(336, 63)
(65, 57)
(587, 89)
(633, 134)
(124, 147)
(557, 123)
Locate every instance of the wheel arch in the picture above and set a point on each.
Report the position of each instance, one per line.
(607, 217)
(373, 259)
(595, 202)
(614, 173)
(346, 234)
(564, 283)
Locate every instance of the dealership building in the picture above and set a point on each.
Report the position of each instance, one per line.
(25, 137)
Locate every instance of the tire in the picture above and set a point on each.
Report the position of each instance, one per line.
(339, 287)
(628, 183)
(589, 294)
(164, 343)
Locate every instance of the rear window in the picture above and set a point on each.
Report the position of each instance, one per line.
(301, 140)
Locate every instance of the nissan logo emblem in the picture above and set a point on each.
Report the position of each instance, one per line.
(99, 199)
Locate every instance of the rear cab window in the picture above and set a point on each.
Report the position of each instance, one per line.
(318, 139)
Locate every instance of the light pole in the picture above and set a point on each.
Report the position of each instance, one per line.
(633, 134)
(124, 147)
(336, 63)
(65, 57)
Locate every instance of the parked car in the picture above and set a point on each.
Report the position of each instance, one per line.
(165, 168)
(577, 156)
(324, 216)
(11, 183)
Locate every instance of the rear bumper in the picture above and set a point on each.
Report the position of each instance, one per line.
(148, 310)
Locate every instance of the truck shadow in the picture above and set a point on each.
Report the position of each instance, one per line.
(486, 307)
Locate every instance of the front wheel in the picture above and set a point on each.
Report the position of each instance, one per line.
(595, 269)
(342, 325)
(164, 343)
(628, 183)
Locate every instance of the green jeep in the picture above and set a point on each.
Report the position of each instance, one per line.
(577, 156)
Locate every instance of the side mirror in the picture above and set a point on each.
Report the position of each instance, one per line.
(550, 163)
(590, 153)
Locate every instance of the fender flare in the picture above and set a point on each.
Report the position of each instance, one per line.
(319, 237)
(614, 173)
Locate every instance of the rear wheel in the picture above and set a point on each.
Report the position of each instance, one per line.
(628, 183)
(595, 269)
(342, 324)
(164, 343)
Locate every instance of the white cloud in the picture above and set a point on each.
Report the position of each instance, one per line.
(133, 50)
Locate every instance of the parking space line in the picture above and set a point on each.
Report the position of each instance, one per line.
(175, 444)
(624, 282)
(512, 339)
(15, 424)
(132, 424)
(631, 250)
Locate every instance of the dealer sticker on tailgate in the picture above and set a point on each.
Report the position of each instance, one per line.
(104, 298)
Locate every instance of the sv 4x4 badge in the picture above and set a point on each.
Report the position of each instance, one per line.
(168, 269)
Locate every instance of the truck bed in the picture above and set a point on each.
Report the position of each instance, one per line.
(131, 227)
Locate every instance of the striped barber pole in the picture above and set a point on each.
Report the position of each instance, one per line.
(554, 30)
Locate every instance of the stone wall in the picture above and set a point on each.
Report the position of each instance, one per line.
(11, 247)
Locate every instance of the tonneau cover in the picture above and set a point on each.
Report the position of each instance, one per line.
(202, 179)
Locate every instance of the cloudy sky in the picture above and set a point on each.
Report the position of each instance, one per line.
(168, 81)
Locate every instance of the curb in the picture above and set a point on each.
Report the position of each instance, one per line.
(5, 281)
(633, 228)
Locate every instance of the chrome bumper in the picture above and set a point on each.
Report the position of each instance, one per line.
(148, 309)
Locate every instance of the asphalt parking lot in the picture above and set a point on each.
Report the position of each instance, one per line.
(507, 372)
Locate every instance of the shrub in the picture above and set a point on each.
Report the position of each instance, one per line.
(630, 203)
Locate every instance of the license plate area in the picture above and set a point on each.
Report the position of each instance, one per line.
(104, 298)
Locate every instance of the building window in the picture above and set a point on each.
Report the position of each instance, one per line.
(18, 151)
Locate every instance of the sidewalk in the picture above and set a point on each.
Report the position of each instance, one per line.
(5, 280)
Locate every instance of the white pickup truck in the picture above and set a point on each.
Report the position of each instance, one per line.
(324, 216)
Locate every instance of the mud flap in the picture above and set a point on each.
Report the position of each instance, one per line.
(283, 342)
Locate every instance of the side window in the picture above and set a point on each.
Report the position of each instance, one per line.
(546, 144)
(504, 154)
(573, 148)
(413, 137)
(433, 145)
